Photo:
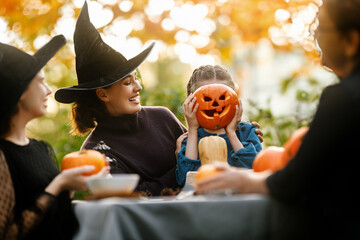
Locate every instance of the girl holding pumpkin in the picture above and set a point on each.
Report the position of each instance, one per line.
(34, 197)
(322, 179)
(241, 139)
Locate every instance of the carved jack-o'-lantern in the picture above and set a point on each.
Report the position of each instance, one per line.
(217, 105)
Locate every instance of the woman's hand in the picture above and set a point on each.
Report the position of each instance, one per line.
(231, 128)
(238, 179)
(72, 179)
(179, 142)
(258, 131)
(190, 110)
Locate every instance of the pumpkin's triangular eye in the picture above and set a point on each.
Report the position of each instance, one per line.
(222, 97)
(226, 96)
(207, 99)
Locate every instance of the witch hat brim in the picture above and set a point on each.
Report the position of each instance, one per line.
(18, 68)
(97, 64)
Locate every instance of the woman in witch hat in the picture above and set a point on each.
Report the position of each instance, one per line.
(142, 140)
(34, 197)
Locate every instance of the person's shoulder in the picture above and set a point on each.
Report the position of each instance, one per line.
(245, 125)
(157, 110)
(42, 144)
(91, 140)
(245, 128)
(352, 85)
(335, 94)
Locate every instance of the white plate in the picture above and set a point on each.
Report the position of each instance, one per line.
(117, 184)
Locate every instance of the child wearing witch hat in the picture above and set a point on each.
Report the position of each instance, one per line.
(106, 100)
(34, 197)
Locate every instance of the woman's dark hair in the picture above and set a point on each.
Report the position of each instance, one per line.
(209, 72)
(345, 14)
(6, 121)
(85, 112)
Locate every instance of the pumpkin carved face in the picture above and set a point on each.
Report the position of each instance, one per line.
(217, 105)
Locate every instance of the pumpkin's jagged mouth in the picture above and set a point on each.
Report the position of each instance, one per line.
(211, 113)
(215, 113)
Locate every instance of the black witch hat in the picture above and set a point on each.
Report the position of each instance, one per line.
(18, 68)
(97, 64)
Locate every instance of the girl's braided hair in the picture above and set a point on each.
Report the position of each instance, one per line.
(209, 72)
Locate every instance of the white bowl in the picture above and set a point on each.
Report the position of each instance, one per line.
(117, 184)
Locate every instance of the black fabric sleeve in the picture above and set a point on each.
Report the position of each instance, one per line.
(11, 227)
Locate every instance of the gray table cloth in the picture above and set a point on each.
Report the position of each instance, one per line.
(197, 217)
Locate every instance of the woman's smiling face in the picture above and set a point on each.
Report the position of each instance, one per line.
(122, 97)
(34, 100)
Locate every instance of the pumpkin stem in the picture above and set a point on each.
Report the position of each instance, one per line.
(82, 151)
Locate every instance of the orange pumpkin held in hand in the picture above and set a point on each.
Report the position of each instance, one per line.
(206, 171)
(292, 145)
(268, 159)
(217, 105)
(84, 157)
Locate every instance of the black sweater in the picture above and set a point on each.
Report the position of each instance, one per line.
(143, 143)
(323, 178)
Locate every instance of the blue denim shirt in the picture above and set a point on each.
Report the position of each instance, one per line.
(244, 157)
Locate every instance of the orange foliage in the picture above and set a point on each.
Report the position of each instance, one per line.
(31, 18)
(249, 20)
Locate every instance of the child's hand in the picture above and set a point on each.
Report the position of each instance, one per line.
(236, 120)
(190, 111)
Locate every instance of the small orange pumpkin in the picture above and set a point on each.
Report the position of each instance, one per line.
(206, 171)
(217, 105)
(84, 157)
(292, 145)
(268, 159)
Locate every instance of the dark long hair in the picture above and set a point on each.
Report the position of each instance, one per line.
(5, 122)
(85, 112)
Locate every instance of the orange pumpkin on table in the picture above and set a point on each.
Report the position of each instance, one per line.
(268, 159)
(292, 145)
(206, 171)
(217, 105)
(84, 157)
(275, 158)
